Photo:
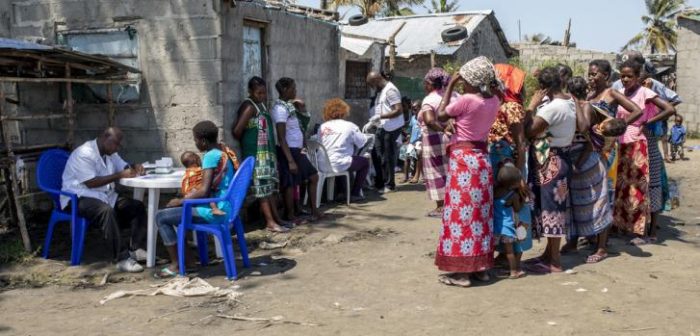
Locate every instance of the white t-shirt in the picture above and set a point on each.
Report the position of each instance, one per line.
(389, 97)
(560, 114)
(84, 164)
(340, 138)
(294, 136)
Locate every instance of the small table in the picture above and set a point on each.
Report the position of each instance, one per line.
(154, 183)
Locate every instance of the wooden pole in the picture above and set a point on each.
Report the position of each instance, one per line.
(69, 108)
(21, 222)
(67, 80)
(110, 99)
(432, 58)
(392, 48)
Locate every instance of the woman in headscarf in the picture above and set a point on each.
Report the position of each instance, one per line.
(553, 127)
(435, 138)
(507, 144)
(466, 238)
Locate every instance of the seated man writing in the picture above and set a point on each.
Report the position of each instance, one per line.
(90, 173)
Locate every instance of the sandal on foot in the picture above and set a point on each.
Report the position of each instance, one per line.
(164, 273)
(652, 240)
(596, 258)
(434, 214)
(278, 229)
(451, 281)
(520, 274)
(638, 241)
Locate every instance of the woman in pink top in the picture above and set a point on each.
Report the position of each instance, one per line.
(631, 211)
(466, 238)
(435, 138)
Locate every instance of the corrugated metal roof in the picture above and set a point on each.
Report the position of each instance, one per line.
(421, 34)
(21, 45)
(356, 45)
(695, 15)
(22, 59)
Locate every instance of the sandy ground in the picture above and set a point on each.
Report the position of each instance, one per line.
(368, 270)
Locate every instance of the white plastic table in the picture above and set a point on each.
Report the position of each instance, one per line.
(153, 183)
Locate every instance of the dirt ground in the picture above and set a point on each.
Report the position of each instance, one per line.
(368, 270)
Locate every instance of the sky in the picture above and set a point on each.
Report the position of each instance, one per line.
(603, 25)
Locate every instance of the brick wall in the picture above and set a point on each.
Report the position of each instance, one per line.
(532, 55)
(688, 69)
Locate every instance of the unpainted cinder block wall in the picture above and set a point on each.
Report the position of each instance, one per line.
(295, 46)
(688, 69)
(179, 55)
(190, 53)
(533, 55)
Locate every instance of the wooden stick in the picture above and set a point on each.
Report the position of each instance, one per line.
(636, 329)
(69, 108)
(67, 80)
(34, 117)
(21, 222)
(110, 101)
(274, 319)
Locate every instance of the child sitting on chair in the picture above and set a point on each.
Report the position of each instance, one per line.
(509, 198)
(193, 177)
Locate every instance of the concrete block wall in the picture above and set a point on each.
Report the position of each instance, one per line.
(532, 55)
(688, 68)
(179, 55)
(359, 107)
(296, 46)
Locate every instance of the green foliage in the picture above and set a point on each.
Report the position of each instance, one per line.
(442, 6)
(659, 34)
(531, 84)
(12, 251)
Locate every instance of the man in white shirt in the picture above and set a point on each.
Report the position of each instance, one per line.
(390, 112)
(91, 173)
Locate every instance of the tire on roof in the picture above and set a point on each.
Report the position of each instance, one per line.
(357, 20)
(454, 34)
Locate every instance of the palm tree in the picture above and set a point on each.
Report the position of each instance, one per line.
(659, 35)
(442, 6)
(372, 8)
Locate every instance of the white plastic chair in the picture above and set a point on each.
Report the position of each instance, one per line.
(319, 159)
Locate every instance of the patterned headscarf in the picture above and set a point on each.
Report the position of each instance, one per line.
(479, 73)
(438, 77)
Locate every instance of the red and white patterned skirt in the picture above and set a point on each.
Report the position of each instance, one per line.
(466, 239)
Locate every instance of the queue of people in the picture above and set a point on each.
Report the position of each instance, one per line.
(579, 160)
(582, 157)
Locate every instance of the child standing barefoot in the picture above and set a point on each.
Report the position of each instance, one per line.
(508, 200)
(192, 181)
(677, 138)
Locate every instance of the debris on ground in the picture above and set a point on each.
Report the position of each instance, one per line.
(180, 287)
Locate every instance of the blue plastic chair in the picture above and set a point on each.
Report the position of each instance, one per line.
(49, 176)
(235, 195)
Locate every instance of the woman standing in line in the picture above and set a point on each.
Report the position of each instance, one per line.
(466, 238)
(435, 138)
(554, 125)
(632, 198)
